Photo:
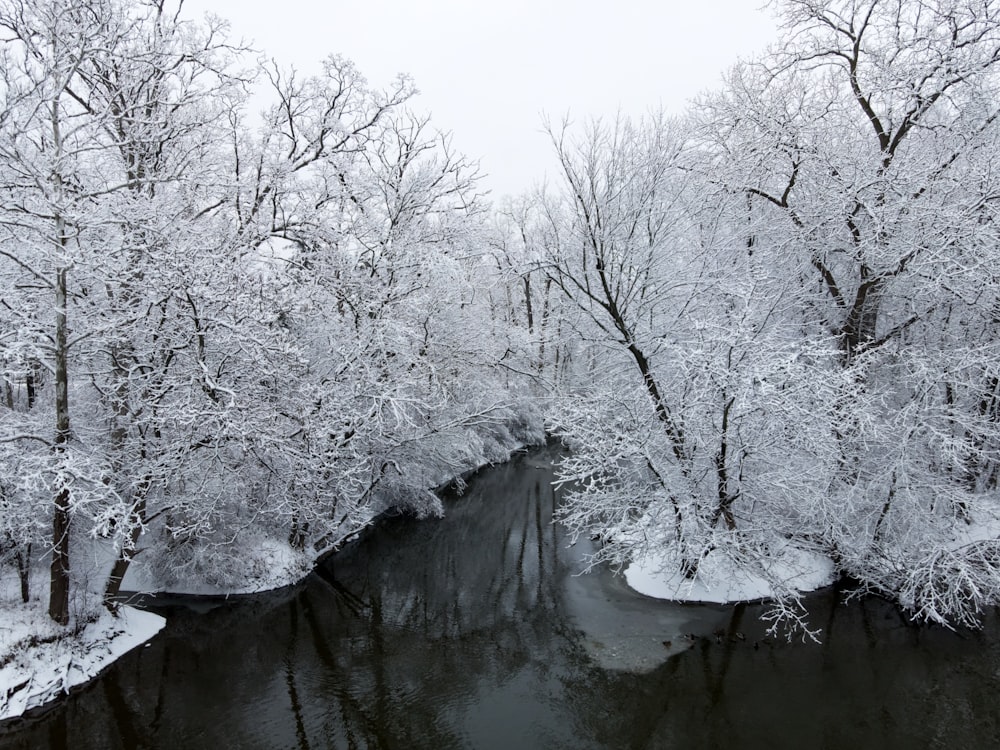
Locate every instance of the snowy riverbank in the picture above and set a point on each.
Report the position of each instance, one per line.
(40, 662)
(721, 581)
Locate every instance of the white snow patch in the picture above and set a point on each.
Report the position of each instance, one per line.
(984, 525)
(721, 581)
(42, 661)
(265, 564)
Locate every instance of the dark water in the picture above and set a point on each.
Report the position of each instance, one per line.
(473, 632)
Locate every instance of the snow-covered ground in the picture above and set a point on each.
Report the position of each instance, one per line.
(720, 580)
(984, 525)
(40, 661)
(266, 565)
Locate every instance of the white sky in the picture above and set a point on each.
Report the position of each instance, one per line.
(488, 71)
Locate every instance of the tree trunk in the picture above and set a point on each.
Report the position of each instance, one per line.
(137, 518)
(859, 329)
(24, 573)
(527, 303)
(544, 325)
(659, 405)
(59, 574)
(297, 534)
(29, 386)
(725, 498)
(120, 568)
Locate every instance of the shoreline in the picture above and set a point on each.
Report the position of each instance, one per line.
(36, 677)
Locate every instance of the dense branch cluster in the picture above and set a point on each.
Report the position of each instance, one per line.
(784, 309)
(219, 332)
(767, 325)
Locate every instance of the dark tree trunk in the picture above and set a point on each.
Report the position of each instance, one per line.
(127, 552)
(29, 386)
(660, 406)
(527, 303)
(725, 498)
(860, 326)
(297, 535)
(59, 574)
(24, 573)
(120, 568)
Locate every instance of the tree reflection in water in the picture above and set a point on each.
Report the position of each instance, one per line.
(473, 632)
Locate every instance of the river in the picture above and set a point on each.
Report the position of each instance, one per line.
(474, 631)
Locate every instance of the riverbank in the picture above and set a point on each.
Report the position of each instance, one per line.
(720, 580)
(475, 630)
(40, 662)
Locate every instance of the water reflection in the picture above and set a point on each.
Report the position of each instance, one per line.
(474, 632)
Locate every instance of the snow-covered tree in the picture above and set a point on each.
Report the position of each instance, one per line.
(788, 305)
(681, 327)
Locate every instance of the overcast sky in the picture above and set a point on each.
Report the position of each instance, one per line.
(488, 71)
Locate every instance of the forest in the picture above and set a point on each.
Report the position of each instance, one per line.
(233, 334)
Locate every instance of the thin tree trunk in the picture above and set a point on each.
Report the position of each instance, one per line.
(659, 404)
(59, 574)
(725, 499)
(120, 568)
(544, 326)
(137, 518)
(29, 386)
(24, 573)
(527, 303)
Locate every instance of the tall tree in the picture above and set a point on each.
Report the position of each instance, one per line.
(108, 108)
(46, 141)
(860, 144)
(679, 323)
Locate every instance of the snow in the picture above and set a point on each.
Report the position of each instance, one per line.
(265, 564)
(41, 661)
(984, 525)
(721, 581)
